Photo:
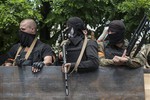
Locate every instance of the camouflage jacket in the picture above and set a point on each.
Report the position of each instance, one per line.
(132, 62)
(145, 54)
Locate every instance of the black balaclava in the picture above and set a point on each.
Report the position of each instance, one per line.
(75, 27)
(26, 39)
(118, 29)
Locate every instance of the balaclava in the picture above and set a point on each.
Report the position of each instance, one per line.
(26, 39)
(75, 27)
(117, 27)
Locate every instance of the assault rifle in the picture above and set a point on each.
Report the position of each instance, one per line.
(140, 32)
(65, 69)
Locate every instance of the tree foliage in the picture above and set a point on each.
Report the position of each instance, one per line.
(51, 16)
(134, 10)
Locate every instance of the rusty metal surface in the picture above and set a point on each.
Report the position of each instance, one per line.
(108, 83)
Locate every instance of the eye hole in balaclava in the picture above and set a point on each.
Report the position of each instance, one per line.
(117, 27)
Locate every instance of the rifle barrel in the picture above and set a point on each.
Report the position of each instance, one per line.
(66, 82)
(65, 69)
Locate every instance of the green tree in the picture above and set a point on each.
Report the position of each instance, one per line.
(51, 16)
(95, 13)
(134, 11)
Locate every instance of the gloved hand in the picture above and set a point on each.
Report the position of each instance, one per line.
(37, 66)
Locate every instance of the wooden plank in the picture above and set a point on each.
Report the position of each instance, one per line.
(107, 83)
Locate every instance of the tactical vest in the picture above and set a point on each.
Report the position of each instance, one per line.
(73, 52)
(111, 51)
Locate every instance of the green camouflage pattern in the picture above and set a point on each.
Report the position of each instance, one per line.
(145, 53)
(133, 62)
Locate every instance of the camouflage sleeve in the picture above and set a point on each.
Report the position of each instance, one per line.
(105, 62)
(102, 60)
(135, 62)
(145, 53)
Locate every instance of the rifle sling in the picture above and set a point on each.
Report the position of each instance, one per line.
(81, 55)
(28, 52)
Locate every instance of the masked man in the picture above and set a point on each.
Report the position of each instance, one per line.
(113, 51)
(77, 33)
(30, 51)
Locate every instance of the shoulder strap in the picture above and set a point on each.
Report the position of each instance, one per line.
(19, 49)
(28, 52)
(30, 49)
(81, 55)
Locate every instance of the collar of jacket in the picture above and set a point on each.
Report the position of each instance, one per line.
(76, 40)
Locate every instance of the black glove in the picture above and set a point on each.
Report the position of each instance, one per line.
(38, 65)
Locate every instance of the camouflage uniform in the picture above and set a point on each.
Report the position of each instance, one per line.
(112, 53)
(145, 54)
(132, 62)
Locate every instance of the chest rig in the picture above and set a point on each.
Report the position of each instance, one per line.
(111, 51)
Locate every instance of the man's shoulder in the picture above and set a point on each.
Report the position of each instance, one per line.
(91, 42)
(16, 46)
(103, 43)
(42, 45)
